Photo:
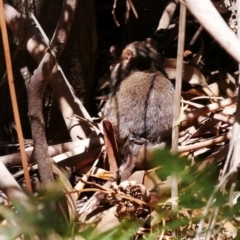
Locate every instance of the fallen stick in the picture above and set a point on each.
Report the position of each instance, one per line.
(88, 143)
(209, 108)
(206, 143)
(10, 186)
(209, 18)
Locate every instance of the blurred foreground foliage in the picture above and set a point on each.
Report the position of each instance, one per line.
(42, 219)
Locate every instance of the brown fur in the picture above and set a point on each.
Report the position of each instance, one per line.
(143, 106)
(142, 98)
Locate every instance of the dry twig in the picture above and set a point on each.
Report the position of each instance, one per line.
(167, 15)
(114, 13)
(177, 100)
(13, 96)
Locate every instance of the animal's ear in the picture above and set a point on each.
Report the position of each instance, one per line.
(127, 55)
(149, 42)
(113, 51)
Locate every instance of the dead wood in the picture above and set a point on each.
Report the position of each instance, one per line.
(111, 147)
(10, 186)
(191, 74)
(177, 102)
(167, 15)
(13, 95)
(32, 41)
(209, 108)
(61, 152)
(36, 87)
(206, 143)
(209, 18)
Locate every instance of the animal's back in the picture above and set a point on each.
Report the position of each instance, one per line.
(143, 106)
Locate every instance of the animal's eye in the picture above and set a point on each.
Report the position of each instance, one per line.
(127, 55)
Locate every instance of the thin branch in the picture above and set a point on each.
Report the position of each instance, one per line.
(133, 8)
(13, 96)
(114, 13)
(63, 28)
(37, 85)
(127, 11)
(78, 147)
(167, 15)
(207, 143)
(35, 90)
(177, 100)
(209, 108)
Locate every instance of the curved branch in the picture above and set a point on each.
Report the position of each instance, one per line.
(36, 87)
(63, 28)
(32, 40)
